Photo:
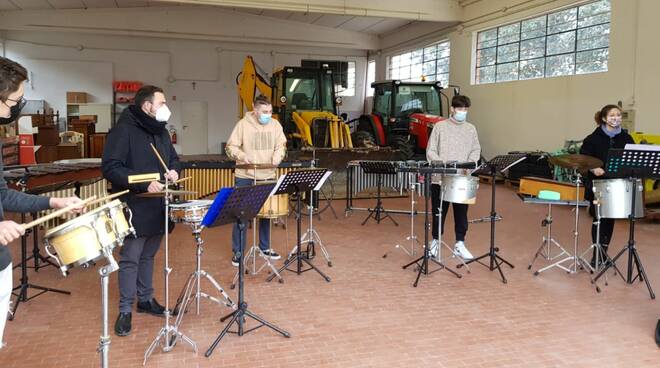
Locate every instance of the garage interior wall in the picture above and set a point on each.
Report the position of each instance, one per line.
(212, 66)
(543, 113)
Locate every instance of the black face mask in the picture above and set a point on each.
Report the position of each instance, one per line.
(15, 111)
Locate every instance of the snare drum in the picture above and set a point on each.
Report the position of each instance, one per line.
(615, 197)
(83, 239)
(460, 188)
(191, 212)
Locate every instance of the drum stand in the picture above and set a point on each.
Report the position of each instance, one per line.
(412, 238)
(577, 261)
(21, 291)
(422, 263)
(601, 257)
(169, 334)
(545, 250)
(194, 283)
(311, 236)
(633, 256)
(252, 254)
(104, 272)
(254, 249)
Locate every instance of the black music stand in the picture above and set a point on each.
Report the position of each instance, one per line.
(379, 168)
(496, 165)
(423, 261)
(22, 293)
(241, 206)
(295, 183)
(638, 162)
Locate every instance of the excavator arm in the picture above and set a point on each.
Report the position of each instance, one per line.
(248, 82)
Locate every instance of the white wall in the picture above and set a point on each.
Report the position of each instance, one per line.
(213, 67)
(542, 113)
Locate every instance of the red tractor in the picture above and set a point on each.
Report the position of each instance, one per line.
(402, 116)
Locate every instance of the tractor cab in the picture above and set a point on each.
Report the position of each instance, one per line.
(403, 115)
(304, 100)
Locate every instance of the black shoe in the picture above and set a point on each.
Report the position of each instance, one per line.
(123, 324)
(234, 261)
(271, 254)
(657, 334)
(151, 307)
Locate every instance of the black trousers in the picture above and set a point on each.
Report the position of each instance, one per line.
(606, 228)
(460, 215)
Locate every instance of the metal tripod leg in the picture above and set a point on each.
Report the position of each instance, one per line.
(412, 238)
(547, 241)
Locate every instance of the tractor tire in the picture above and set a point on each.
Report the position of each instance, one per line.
(404, 144)
(363, 138)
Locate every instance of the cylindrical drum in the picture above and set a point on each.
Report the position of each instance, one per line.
(615, 197)
(460, 188)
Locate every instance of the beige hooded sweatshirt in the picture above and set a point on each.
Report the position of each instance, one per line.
(256, 143)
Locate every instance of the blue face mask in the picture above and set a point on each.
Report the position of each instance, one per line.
(264, 118)
(460, 116)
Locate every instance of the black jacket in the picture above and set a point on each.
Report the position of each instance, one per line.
(597, 144)
(127, 152)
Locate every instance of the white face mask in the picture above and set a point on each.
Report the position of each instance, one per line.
(163, 114)
(614, 122)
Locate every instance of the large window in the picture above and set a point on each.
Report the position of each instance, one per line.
(429, 63)
(371, 77)
(566, 42)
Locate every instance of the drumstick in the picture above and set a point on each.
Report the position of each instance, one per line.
(183, 179)
(56, 213)
(159, 158)
(107, 198)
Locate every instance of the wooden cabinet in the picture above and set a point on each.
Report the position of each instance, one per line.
(96, 145)
(87, 129)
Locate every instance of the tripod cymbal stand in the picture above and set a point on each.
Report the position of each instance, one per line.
(169, 334)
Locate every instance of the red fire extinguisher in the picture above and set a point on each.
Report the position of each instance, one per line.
(173, 135)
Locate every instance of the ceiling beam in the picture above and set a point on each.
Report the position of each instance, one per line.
(425, 10)
(209, 24)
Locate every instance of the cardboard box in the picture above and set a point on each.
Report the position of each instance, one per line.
(76, 97)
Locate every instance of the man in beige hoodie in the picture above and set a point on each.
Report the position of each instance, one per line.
(256, 139)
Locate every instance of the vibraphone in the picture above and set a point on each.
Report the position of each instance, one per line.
(209, 173)
(83, 179)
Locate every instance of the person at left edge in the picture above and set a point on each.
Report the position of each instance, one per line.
(128, 152)
(12, 87)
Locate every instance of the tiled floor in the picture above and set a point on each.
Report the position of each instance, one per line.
(369, 315)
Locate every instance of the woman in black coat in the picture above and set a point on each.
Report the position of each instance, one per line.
(608, 134)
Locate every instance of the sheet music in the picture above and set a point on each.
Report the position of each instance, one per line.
(323, 179)
(642, 147)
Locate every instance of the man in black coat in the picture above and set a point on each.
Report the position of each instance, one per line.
(128, 152)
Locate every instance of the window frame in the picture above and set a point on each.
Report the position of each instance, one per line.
(429, 78)
(546, 55)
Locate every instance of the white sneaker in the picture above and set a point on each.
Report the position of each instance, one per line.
(433, 249)
(461, 251)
